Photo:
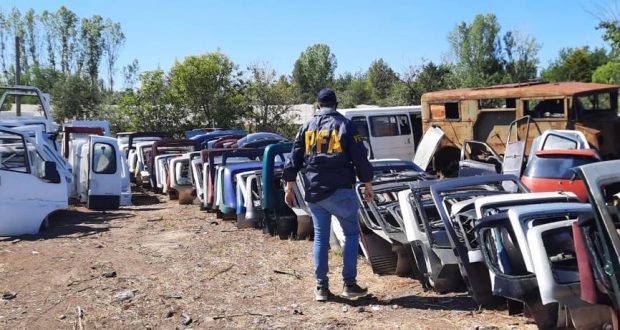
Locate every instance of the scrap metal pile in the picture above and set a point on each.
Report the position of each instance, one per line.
(537, 234)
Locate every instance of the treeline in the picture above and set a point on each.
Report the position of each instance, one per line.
(64, 55)
(210, 90)
(59, 41)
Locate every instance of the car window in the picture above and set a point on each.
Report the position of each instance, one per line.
(555, 166)
(383, 126)
(104, 158)
(403, 125)
(544, 108)
(595, 102)
(13, 155)
(556, 142)
(361, 124)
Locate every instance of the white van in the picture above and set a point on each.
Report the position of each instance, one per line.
(389, 132)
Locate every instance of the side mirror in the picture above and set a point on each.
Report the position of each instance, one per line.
(49, 172)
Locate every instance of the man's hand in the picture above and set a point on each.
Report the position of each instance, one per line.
(289, 198)
(369, 194)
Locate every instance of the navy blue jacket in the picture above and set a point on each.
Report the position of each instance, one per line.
(330, 153)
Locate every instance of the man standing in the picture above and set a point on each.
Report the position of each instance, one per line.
(330, 154)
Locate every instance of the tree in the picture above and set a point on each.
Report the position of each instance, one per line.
(381, 78)
(521, 61)
(113, 40)
(607, 74)
(17, 26)
(314, 70)
(477, 50)
(353, 89)
(130, 74)
(209, 86)
(67, 31)
(75, 98)
(31, 36)
(432, 77)
(154, 107)
(482, 59)
(418, 80)
(92, 45)
(575, 64)
(612, 34)
(50, 26)
(270, 99)
(359, 92)
(4, 34)
(46, 78)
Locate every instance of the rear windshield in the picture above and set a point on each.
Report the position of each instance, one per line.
(555, 166)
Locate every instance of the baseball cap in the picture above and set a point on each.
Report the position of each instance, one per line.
(326, 96)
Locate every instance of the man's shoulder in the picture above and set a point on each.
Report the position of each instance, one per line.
(335, 116)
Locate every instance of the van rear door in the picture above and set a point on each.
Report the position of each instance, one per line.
(391, 136)
(104, 175)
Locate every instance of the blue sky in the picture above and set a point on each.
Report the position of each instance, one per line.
(401, 32)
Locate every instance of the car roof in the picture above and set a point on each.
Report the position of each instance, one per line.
(518, 90)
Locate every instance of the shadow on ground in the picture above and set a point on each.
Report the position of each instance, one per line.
(140, 199)
(73, 223)
(459, 303)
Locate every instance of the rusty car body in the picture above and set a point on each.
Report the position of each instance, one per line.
(485, 114)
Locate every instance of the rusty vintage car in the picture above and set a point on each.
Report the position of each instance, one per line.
(485, 114)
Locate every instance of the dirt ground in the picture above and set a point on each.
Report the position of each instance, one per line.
(161, 265)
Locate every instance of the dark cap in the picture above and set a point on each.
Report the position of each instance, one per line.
(326, 96)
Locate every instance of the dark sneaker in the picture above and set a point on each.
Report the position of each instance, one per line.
(354, 291)
(321, 293)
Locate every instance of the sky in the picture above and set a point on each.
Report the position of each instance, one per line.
(402, 32)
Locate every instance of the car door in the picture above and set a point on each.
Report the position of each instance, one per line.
(104, 174)
(25, 199)
(554, 262)
(515, 146)
(478, 158)
(603, 183)
(427, 147)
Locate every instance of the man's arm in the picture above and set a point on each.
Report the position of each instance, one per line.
(359, 157)
(293, 165)
(358, 154)
(295, 161)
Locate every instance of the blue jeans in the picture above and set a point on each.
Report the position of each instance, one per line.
(344, 205)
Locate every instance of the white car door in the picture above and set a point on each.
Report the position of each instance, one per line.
(105, 173)
(125, 181)
(427, 147)
(25, 198)
(554, 262)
